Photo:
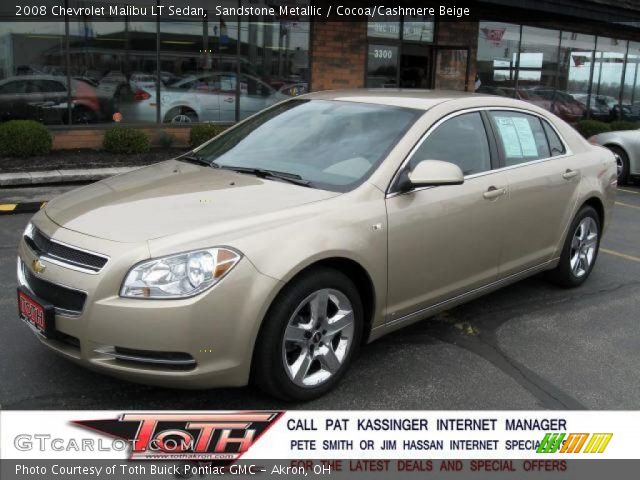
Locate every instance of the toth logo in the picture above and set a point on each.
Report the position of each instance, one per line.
(37, 266)
(222, 436)
(574, 443)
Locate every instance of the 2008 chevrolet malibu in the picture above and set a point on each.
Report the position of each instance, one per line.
(271, 253)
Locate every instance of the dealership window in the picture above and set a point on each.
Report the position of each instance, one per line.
(112, 64)
(571, 74)
(33, 82)
(538, 59)
(498, 45)
(399, 52)
(274, 56)
(608, 74)
(631, 92)
(575, 64)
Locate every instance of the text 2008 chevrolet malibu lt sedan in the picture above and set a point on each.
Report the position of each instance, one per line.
(272, 252)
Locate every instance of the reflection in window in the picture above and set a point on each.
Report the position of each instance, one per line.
(33, 83)
(418, 28)
(274, 59)
(538, 75)
(631, 92)
(576, 60)
(384, 27)
(382, 66)
(607, 76)
(497, 54)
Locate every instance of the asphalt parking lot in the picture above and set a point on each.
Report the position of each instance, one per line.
(528, 346)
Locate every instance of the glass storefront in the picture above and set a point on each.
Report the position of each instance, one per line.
(573, 75)
(399, 52)
(191, 69)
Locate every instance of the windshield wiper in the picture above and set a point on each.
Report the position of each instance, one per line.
(193, 157)
(264, 173)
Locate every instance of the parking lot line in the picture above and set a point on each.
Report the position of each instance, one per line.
(621, 255)
(7, 207)
(628, 191)
(627, 205)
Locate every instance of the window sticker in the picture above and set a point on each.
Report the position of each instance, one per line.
(527, 139)
(517, 137)
(509, 137)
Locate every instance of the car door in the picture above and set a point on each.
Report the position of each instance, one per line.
(446, 240)
(543, 181)
(227, 97)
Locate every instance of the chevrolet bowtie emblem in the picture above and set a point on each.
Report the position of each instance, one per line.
(38, 266)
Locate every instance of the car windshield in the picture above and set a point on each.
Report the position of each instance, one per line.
(333, 145)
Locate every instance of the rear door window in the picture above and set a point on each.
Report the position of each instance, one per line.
(521, 137)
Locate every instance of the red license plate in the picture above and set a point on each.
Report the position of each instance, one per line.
(33, 312)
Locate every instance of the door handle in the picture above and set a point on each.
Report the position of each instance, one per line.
(494, 192)
(569, 174)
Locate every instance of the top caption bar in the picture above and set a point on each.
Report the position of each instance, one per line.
(316, 11)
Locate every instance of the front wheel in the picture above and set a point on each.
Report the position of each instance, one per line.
(580, 249)
(310, 335)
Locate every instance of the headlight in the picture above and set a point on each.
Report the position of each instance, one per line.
(181, 275)
(28, 230)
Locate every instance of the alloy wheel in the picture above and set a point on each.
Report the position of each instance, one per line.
(619, 165)
(181, 118)
(318, 338)
(583, 246)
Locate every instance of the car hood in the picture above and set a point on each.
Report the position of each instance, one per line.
(173, 197)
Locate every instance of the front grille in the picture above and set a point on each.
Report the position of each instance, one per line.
(62, 298)
(45, 247)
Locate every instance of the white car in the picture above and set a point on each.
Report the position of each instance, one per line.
(208, 97)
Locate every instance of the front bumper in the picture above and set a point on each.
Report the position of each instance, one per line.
(197, 342)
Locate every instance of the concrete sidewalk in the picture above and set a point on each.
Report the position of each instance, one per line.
(60, 176)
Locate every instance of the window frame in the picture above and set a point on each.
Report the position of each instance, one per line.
(497, 158)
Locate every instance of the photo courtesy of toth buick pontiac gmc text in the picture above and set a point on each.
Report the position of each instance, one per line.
(272, 253)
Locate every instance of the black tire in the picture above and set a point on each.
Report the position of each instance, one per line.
(268, 372)
(563, 274)
(82, 116)
(623, 176)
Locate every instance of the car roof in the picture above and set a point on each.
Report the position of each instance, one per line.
(422, 99)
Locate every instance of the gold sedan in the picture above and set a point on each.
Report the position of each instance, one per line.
(273, 252)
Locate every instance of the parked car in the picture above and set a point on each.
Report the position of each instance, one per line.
(201, 98)
(607, 109)
(44, 98)
(626, 146)
(557, 102)
(273, 251)
(561, 103)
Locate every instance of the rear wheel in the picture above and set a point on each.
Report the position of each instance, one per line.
(580, 250)
(309, 337)
(622, 163)
(181, 115)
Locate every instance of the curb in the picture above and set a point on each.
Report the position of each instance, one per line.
(26, 207)
(61, 176)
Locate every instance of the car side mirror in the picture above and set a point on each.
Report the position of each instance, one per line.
(430, 173)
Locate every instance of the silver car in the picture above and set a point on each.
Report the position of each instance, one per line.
(209, 97)
(626, 145)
